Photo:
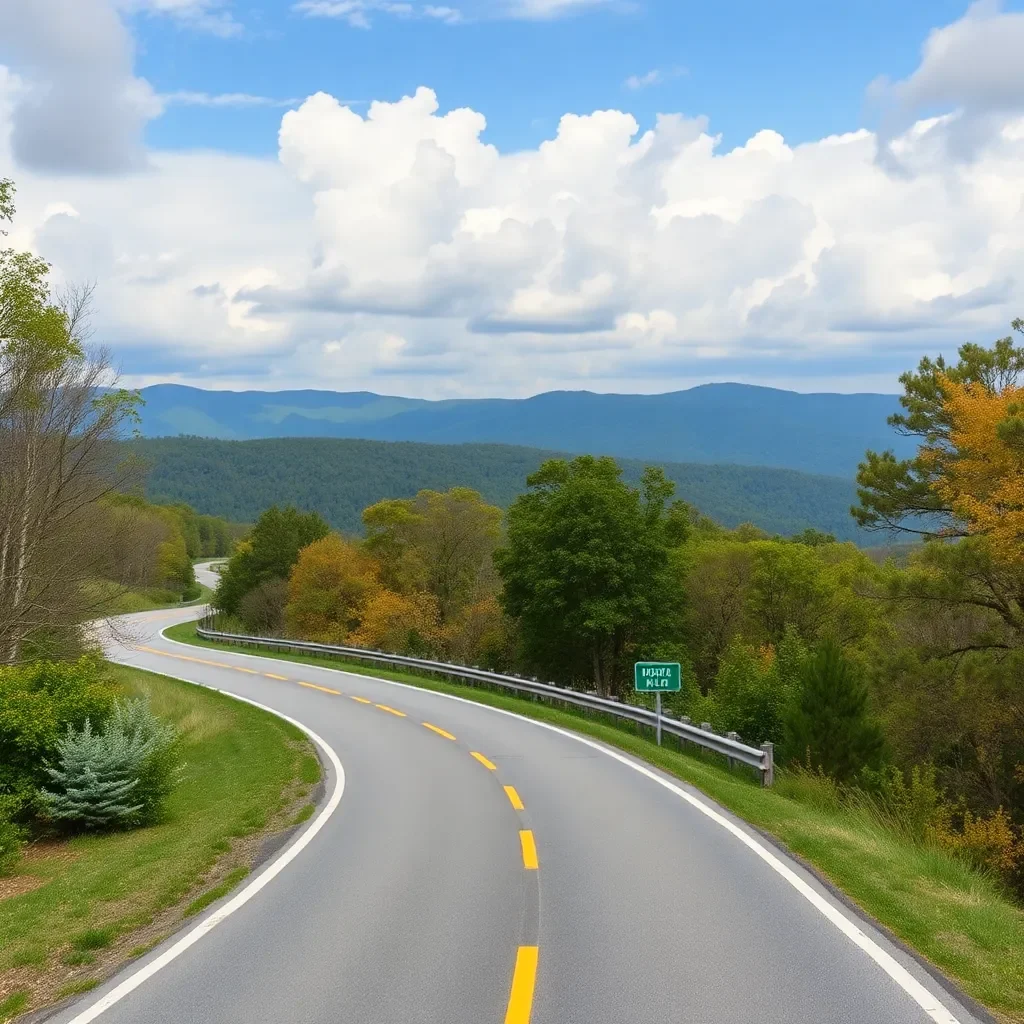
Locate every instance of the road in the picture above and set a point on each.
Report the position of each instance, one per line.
(481, 868)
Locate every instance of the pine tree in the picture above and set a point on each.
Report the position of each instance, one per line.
(829, 727)
(118, 776)
(93, 782)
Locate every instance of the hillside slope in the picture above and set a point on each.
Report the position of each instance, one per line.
(716, 423)
(339, 478)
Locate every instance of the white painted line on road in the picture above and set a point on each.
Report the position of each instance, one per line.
(928, 1002)
(269, 873)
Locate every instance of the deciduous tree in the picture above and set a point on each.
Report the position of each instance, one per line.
(328, 590)
(585, 567)
(269, 552)
(440, 543)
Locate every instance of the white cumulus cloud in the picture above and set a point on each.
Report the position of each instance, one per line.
(394, 249)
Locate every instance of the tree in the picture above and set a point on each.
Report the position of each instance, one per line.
(440, 543)
(963, 486)
(984, 484)
(269, 552)
(328, 590)
(585, 567)
(60, 414)
(399, 623)
(902, 495)
(828, 726)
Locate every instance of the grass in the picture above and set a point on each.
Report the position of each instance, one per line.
(74, 988)
(214, 894)
(953, 915)
(111, 599)
(241, 764)
(14, 1003)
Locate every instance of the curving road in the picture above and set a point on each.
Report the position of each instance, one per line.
(482, 868)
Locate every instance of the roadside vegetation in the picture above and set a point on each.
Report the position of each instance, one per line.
(101, 881)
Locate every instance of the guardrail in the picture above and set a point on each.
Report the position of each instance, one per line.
(731, 747)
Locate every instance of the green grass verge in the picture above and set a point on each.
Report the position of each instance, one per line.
(953, 915)
(241, 764)
(14, 1003)
(110, 599)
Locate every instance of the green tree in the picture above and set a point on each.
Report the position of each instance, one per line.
(439, 543)
(585, 567)
(268, 553)
(829, 726)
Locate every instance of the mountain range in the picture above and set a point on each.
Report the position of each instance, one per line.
(736, 424)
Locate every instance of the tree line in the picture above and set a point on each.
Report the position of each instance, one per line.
(340, 477)
(899, 680)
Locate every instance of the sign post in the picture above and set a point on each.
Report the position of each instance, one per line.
(657, 677)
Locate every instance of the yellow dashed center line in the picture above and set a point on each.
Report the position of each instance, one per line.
(440, 732)
(489, 765)
(529, 849)
(270, 675)
(249, 671)
(520, 1000)
(183, 657)
(322, 689)
(513, 798)
(362, 700)
(390, 711)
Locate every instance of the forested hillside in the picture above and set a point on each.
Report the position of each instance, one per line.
(738, 424)
(339, 478)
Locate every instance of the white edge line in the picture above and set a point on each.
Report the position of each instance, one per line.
(892, 967)
(267, 875)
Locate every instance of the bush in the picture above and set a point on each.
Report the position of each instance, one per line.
(11, 837)
(39, 702)
(911, 805)
(262, 609)
(990, 842)
(160, 770)
(119, 776)
(828, 726)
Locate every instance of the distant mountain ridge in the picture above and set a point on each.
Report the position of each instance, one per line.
(738, 424)
(338, 478)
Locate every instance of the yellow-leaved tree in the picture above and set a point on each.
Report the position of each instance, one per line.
(981, 476)
(329, 589)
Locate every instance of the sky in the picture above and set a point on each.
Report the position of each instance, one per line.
(503, 197)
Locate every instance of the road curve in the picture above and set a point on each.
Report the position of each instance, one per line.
(482, 868)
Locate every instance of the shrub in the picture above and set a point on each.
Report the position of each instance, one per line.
(262, 609)
(990, 842)
(909, 805)
(39, 702)
(828, 726)
(119, 776)
(160, 769)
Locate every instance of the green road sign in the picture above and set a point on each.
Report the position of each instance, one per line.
(657, 677)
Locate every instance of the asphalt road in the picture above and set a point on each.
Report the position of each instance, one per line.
(418, 901)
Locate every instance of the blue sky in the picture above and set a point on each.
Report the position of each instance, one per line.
(501, 197)
(800, 66)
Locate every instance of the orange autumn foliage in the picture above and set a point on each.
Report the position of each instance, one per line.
(981, 473)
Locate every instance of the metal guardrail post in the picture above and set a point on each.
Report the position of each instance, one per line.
(768, 769)
(732, 736)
